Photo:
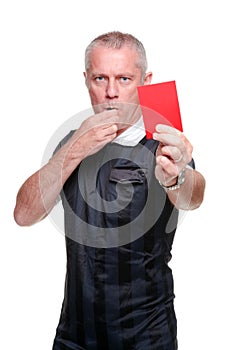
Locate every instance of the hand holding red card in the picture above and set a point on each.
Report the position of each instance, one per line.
(159, 105)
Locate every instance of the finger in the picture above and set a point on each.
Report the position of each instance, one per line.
(172, 152)
(166, 129)
(100, 133)
(110, 130)
(103, 118)
(162, 176)
(101, 121)
(178, 138)
(170, 140)
(169, 168)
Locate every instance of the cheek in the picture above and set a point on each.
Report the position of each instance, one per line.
(132, 96)
(96, 95)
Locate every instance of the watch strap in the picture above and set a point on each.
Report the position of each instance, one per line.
(180, 181)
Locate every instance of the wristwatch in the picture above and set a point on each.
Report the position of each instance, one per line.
(180, 181)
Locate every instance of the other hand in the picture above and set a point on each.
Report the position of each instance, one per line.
(173, 154)
(95, 132)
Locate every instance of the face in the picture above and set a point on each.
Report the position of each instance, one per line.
(112, 81)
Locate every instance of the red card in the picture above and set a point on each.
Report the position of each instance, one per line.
(160, 105)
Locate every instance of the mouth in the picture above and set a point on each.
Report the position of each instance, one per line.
(110, 108)
(110, 105)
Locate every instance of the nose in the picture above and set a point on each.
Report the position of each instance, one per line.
(112, 89)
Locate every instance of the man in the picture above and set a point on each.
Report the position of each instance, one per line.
(121, 194)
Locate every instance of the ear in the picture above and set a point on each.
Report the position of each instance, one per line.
(148, 78)
(85, 76)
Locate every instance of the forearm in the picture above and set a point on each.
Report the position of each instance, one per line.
(40, 191)
(31, 205)
(191, 193)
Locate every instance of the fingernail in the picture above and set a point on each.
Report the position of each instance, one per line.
(158, 127)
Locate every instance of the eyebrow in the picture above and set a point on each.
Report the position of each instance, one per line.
(125, 74)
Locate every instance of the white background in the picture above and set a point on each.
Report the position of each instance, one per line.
(41, 85)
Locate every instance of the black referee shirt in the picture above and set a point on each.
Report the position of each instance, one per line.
(119, 227)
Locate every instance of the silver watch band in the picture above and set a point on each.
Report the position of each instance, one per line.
(180, 181)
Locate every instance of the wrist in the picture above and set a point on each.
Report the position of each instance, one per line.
(170, 183)
(176, 183)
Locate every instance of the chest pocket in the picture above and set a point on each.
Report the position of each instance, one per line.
(124, 175)
(130, 188)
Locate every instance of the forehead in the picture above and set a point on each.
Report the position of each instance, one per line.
(106, 59)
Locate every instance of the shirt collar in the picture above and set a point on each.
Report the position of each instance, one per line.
(131, 136)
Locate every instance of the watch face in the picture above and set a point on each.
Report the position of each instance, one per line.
(181, 177)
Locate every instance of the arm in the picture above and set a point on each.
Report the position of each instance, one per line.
(172, 156)
(39, 193)
(190, 195)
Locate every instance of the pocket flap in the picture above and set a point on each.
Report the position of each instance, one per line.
(127, 175)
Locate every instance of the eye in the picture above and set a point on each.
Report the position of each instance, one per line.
(124, 79)
(99, 79)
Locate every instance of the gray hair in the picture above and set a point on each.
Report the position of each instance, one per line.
(116, 40)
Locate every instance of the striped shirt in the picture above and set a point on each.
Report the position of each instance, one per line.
(120, 227)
